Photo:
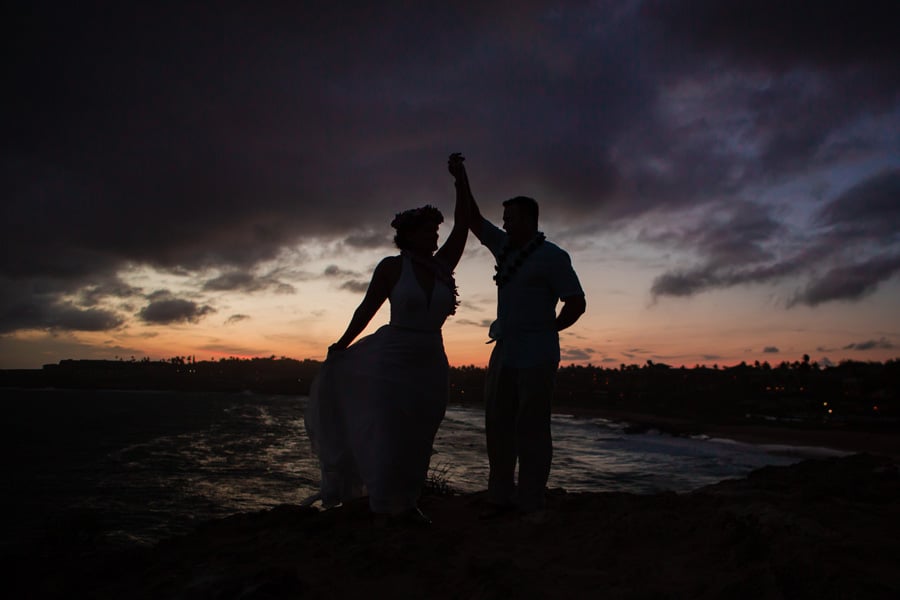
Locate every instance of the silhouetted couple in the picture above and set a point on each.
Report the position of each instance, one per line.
(377, 404)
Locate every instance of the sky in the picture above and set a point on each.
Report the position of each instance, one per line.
(218, 179)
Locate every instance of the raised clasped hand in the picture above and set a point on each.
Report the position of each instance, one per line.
(455, 164)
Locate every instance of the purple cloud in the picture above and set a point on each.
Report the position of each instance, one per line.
(164, 309)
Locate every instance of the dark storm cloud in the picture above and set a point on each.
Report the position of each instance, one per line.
(40, 306)
(165, 309)
(113, 287)
(854, 249)
(815, 68)
(882, 343)
(869, 210)
(736, 244)
(576, 353)
(485, 323)
(178, 138)
(247, 282)
(849, 282)
(69, 317)
(357, 286)
(859, 245)
(352, 280)
(188, 137)
(55, 315)
(779, 33)
(336, 271)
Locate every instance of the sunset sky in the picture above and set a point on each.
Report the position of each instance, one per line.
(220, 182)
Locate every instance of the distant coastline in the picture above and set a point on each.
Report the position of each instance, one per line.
(852, 406)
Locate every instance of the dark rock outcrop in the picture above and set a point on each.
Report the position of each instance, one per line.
(818, 529)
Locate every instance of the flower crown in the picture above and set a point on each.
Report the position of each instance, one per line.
(415, 216)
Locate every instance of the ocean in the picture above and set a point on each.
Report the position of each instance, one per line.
(129, 468)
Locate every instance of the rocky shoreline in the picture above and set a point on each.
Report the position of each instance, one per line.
(884, 441)
(827, 528)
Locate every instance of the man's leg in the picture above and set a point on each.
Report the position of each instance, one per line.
(499, 424)
(534, 442)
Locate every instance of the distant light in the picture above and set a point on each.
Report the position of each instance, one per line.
(830, 411)
(875, 408)
(824, 404)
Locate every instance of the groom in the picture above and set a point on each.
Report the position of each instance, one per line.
(532, 275)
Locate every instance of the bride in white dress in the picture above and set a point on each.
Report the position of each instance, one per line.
(376, 405)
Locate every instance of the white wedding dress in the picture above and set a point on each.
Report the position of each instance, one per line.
(375, 408)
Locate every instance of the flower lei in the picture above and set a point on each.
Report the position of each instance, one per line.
(414, 216)
(441, 272)
(505, 272)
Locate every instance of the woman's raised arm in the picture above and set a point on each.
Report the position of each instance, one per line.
(452, 250)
